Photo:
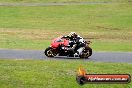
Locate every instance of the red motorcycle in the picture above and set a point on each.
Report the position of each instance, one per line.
(60, 46)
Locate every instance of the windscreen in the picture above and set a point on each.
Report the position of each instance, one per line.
(59, 40)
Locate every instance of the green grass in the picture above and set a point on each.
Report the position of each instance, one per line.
(111, 46)
(42, 44)
(111, 16)
(108, 25)
(43, 1)
(56, 73)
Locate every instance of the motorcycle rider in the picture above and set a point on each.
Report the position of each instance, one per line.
(76, 43)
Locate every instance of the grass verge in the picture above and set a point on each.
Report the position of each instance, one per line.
(45, 1)
(55, 73)
(108, 25)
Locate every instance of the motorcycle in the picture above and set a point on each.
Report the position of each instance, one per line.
(60, 46)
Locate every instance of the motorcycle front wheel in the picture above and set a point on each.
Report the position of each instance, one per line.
(49, 52)
(86, 52)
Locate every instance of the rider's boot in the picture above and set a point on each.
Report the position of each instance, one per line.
(76, 54)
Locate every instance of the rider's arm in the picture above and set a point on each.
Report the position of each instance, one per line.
(74, 46)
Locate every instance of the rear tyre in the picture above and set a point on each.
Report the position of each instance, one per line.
(86, 52)
(49, 52)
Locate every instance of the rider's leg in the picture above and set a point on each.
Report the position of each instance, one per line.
(79, 51)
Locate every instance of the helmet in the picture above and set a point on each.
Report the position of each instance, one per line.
(73, 35)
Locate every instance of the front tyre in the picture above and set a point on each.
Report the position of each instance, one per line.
(49, 52)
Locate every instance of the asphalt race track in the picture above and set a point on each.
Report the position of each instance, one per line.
(125, 57)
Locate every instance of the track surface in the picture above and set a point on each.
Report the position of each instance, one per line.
(38, 54)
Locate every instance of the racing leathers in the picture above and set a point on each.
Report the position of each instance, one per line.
(77, 44)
